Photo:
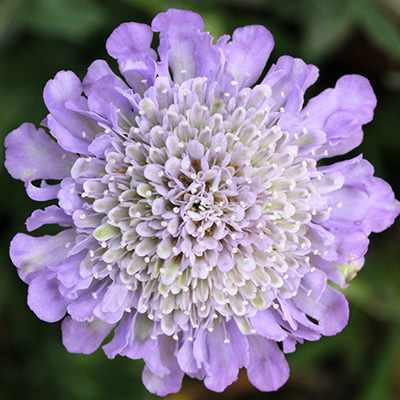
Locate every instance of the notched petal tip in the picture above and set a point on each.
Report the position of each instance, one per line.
(247, 53)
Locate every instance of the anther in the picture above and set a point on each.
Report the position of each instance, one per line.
(164, 223)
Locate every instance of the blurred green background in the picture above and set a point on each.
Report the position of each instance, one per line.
(40, 37)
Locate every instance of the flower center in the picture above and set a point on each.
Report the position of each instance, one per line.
(202, 206)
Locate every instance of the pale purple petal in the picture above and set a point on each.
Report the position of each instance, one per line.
(169, 378)
(349, 105)
(84, 337)
(224, 357)
(31, 154)
(50, 215)
(267, 370)
(331, 311)
(72, 130)
(247, 53)
(32, 254)
(289, 78)
(44, 298)
(184, 47)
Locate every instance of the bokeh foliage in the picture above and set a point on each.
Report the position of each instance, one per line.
(40, 37)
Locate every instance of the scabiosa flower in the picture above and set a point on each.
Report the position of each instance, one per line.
(197, 225)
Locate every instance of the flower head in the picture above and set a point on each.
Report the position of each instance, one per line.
(197, 224)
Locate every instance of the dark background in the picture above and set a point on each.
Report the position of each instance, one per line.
(40, 37)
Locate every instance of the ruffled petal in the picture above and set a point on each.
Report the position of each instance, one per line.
(43, 192)
(247, 53)
(340, 113)
(184, 47)
(187, 362)
(32, 254)
(50, 215)
(95, 72)
(331, 310)
(73, 131)
(289, 78)
(227, 352)
(140, 341)
(31, 154)
(130, 44)
(268, 369)
(105, 99)
(45, 300)
(265, 323)
(364, 201)
(162, 374)
(84, 337)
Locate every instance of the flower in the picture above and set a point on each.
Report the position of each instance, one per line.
(197, 225)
